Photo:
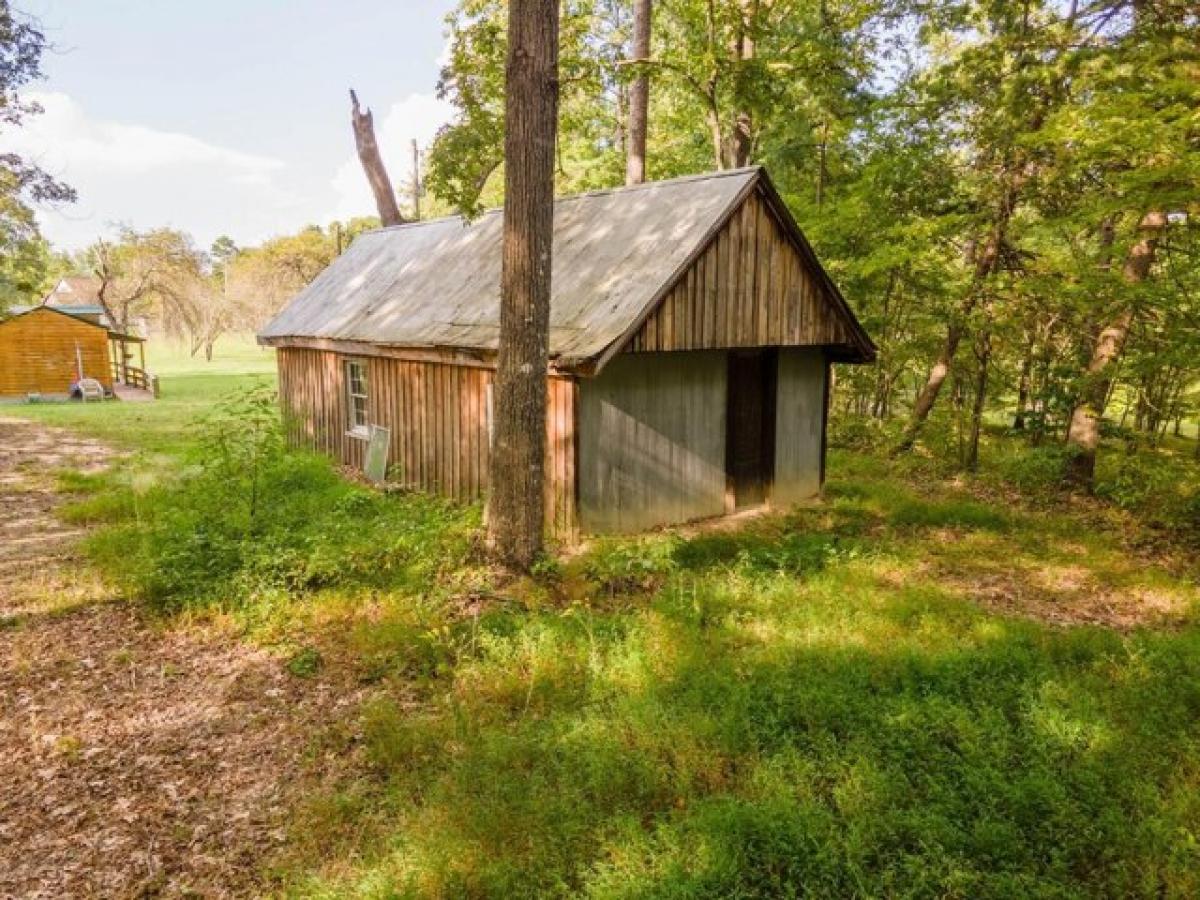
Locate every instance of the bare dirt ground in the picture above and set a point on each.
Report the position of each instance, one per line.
(136, 758)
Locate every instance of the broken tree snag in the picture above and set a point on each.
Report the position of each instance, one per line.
(639, 96)
(372, 163)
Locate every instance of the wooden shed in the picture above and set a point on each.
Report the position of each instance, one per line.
(691, 333)
(43, 349)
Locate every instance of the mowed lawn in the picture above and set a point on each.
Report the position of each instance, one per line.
(924, 686)
(190, 387)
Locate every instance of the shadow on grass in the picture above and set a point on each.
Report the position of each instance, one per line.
(738, 738)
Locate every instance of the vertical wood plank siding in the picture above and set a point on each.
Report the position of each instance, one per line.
(438, 416)
(749, 288)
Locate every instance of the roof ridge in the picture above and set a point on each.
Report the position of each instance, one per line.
(598, 192)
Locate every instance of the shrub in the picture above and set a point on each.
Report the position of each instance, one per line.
(1033, 469)
(252, 520)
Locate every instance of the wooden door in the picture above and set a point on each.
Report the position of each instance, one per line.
(750, 426)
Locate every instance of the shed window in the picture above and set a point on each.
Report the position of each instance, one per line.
(356, 396)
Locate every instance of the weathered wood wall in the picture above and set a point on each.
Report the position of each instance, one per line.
(799, 426)
(749, 288)
(652, 441)
(439, 417)
(37, 353)
(312, 392)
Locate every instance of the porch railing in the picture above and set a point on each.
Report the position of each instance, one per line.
(135, 377)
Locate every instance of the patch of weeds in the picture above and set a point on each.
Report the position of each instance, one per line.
(953, 513)
(305, 663)
(72, 481)
(625, 565)
(252, 522)
(68, 747)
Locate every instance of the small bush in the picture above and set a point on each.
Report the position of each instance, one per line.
(1156, 485)
(252, 519)
(1033, 469)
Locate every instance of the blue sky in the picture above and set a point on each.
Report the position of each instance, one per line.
(223, 116)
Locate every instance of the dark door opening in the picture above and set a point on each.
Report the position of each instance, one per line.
(750, 426)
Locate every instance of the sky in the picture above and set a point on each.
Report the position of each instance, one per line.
(225, 116)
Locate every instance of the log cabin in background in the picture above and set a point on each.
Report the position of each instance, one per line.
(46, 349)
(691, 335)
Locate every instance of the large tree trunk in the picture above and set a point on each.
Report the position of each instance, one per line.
(516, 503)
(639, 96)
(372, 163)
(1083, 434)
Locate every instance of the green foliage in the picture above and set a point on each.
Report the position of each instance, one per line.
(819, 702)
(249, 520)
(1159, 485)
(783, 709)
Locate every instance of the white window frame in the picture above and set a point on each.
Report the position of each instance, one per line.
(354, 427)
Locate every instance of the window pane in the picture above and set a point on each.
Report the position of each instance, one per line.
(356, 391)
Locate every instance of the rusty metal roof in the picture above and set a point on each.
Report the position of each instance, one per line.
(436, 284)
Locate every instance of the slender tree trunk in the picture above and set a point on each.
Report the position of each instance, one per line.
(516, 504)
(741, 139)
(822, 163)
(1023, 384)
(1083, 434)
(372, 163)
(985, 264)
(983, 354)
(639, 96)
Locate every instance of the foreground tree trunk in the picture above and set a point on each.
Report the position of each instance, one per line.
(372, 163)
(639, 96)
(516, 502)
(1083, 434)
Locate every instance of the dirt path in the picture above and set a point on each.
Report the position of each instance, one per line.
(135, 759)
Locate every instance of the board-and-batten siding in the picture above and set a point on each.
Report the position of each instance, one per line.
(799, 425)
(750, 287)
(438, 416)
(652, 441)
(37, 353)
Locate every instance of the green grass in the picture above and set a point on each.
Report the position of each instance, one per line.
(813, 704)
(189, 389)
(928, 685)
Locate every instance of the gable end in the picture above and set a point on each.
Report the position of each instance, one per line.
(755, 283)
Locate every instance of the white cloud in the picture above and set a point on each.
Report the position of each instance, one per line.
(135, 174)
(417, 116)
(143, 176)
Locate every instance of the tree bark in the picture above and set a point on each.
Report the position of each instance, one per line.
(1083, 434)
(985, 264)
(372, 163)
(516, 503)
(639, 96)
(983, 354)
(1024, 382)
(741, 138)
(416, 180)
